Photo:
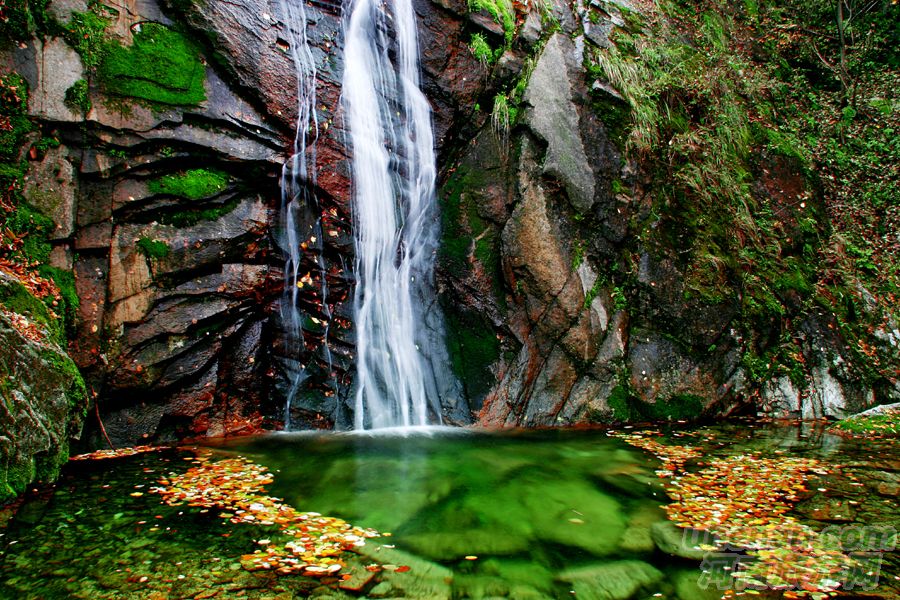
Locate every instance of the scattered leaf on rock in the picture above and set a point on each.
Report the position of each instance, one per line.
(103, 454)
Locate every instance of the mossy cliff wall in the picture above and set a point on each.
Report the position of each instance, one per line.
(170, 124)
(158, 185)
(644, 222)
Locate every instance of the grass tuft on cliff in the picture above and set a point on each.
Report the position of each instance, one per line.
(503, 13)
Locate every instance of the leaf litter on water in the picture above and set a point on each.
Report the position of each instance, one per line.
(742, 500)
(236, 486)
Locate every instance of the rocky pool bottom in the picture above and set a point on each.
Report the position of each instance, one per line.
(517, 514)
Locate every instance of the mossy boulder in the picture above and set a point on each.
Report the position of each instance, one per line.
(43, 398)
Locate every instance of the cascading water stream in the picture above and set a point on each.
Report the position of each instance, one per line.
(401, 358)
(298, 179)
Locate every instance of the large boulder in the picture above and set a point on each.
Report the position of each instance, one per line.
(44, 399)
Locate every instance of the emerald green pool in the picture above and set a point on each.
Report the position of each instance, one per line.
(518, 514)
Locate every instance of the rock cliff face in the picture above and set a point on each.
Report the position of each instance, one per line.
(175, 121)
(163, 191)
(566, 277)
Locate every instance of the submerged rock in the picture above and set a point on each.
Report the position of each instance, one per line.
(424, 579)
(612, 581)
(638, 536)
(689, 585)
(678, 542)
(452, 545)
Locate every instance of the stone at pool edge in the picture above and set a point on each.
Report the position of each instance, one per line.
(670, 539)
(425, 579)
(612, 581)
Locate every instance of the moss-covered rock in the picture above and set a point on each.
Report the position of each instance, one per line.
(15, 298)
(43, 398)
(612, 581)
(474, 348)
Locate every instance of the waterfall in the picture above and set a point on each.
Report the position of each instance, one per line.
(402, 365)
(300, 214)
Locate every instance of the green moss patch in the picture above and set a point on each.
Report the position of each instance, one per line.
(76, 390)
(462, 224)
(68, 302)
(34, 228)
(187, 218)
(14, 108)
(86, 34)
(153, 248)
(626, 406)
(162, 66)
(194, 184)
(502, 12)
(77, 97)
(619, 402)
